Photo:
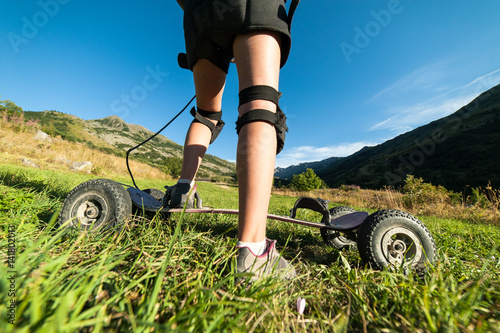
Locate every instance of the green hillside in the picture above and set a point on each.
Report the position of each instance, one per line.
(113, 135)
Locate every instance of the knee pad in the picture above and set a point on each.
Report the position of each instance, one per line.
(277, 119)
(204, 117)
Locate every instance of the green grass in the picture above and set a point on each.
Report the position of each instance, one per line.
(177, 275)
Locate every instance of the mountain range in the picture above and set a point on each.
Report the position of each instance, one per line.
(462, 149)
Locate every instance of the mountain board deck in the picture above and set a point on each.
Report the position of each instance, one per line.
(147, 202)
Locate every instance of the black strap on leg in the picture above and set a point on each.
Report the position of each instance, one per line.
(204, 117)
(255, 115)
(259, 92)
(277, 119)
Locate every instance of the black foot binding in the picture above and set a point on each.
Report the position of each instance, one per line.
(181, 195)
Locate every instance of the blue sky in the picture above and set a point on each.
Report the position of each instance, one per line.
(359, 73)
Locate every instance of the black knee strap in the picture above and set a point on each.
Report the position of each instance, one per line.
(277, 119)
(204, 117)
(259, 92)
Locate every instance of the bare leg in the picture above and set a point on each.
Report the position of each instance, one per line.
(209, 83)
(257, 56)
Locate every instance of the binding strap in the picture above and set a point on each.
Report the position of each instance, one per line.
(204, 117)
(317, 205)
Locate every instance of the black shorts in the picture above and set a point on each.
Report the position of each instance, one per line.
(210, 27)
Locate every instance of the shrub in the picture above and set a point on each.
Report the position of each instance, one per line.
(484, 198)
(349, 188)
(17, 122)
(493, 196)
(173, 166)
(278, 183)
(11, 108)
(477, 198)
(13, 117)
(307, 181)
(416, 193)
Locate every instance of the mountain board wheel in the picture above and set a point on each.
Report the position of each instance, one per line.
(96, 204)
(339, 239)
(392, 238)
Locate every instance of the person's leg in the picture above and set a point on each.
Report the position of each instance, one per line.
(257, 56)
(209, 83)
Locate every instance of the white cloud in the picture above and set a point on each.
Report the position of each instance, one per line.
(408, 118)
(428, 77)
(441, 105)
(490, 78)
(297, 155)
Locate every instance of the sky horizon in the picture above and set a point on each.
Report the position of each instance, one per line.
(359, 72)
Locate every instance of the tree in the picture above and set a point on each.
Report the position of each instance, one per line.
(307, 181)
(11, 107)
(173, 166)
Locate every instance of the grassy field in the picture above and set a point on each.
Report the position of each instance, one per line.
(176, 275)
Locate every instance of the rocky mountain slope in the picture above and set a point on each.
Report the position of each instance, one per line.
(113, 135)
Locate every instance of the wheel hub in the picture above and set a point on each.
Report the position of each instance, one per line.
(401, 245)
(92, 212)
(89, 212)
